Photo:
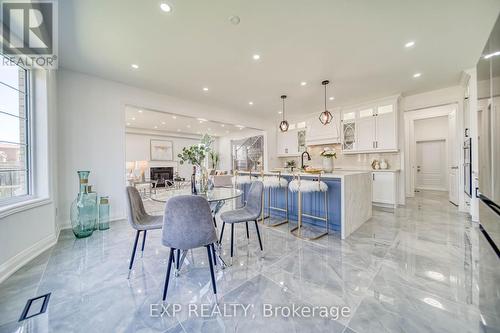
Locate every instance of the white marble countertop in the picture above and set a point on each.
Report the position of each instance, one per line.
(336, 174)
(366, 169)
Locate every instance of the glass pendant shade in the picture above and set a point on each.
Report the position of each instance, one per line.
(325, 117)
(284, 126)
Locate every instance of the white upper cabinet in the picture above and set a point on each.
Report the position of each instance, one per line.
(287, 143)
(319, 134)
(371, 127)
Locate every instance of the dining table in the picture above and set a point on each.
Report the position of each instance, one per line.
(216, 197)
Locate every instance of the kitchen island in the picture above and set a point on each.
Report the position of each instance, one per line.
(349, 200)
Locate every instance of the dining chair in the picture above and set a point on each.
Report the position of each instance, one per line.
(187, 224)
(139, 220)
(250, 212)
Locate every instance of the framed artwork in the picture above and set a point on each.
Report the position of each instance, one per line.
(161, 150)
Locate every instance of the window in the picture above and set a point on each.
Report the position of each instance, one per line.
(14, 132)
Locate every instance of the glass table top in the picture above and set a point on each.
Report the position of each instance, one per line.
(213, 195)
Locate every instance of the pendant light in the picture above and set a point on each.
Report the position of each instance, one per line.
(325, 117)
(284, 123)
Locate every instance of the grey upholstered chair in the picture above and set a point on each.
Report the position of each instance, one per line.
(139, 220)
(188, 224)
(250, 212)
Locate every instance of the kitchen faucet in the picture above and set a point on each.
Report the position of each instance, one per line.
(302, 166)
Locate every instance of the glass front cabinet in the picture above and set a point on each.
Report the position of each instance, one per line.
(371, 127)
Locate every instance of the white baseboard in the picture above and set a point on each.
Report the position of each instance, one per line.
(22, 258)
(67, 224)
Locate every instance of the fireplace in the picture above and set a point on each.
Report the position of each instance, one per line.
(161, 174)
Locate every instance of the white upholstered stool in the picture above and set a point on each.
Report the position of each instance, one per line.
(240, 181)
(274, 185)
(301, 186)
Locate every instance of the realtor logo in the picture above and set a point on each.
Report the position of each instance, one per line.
(30, 33)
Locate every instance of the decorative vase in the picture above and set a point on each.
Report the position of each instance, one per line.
(201, 179)
(327, 164)
(383, 164)
(83, 212)
(104, 213)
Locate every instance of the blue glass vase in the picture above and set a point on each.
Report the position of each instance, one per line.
(104, 213)
(83, 212)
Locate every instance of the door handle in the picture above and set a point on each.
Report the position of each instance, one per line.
(454, 167)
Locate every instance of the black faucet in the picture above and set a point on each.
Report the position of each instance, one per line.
(302, 166)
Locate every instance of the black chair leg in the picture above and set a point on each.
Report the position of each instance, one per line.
(215, 222)
(222, 232)
(178, 261)
(232, 238)
(214, 254)
(143, 243)
(169, 267)
(209, 252)
(133, 251)
(258, 234)
(248, 235)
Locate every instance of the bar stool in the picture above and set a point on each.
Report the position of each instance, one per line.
(274, 185)
(301, 186)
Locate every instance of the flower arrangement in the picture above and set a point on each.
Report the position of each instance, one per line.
(196, 154)
(329, 153)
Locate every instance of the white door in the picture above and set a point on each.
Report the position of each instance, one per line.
(431, 165)
(453, 170)
(386, 128)
(365, 130)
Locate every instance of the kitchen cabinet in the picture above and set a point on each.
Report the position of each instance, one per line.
(287, 143)
(319, 134)
(371, 127)
(385, 188)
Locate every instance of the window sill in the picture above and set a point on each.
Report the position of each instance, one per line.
(24, 205)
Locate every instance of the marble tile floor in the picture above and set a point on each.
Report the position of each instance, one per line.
(423, 268)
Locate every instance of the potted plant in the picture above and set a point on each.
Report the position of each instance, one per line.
(214, 158)
(196, 155)
(328, 155)
(290, 165)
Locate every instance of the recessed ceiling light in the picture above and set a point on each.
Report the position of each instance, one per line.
(178, 130)
(250, 103)
(128, 124)
(280, 112)
(156, 127)
(303, 83)
(222, 125)
(133, 118)
(165, 7)
(240, 126)
(205, 89)
(134, 66)
(331, 98)
(410, 44)
(163, 123)
(201, 119)
(188, 126)
(417, 75)
(174, 117)
(140, 111)
(256, 57)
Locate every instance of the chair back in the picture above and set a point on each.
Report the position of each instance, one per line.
(187, 223)
(254, 198)
(135, 207)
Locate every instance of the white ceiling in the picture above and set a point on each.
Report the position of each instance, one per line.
(152, 120)
(358, 45)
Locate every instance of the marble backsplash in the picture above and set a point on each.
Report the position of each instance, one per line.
(345, 161)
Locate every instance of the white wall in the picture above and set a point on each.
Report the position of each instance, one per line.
(138, 149)
(29, 230)
(92, 132)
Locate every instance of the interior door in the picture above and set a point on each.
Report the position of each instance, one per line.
(431, 165)
(453, 170)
